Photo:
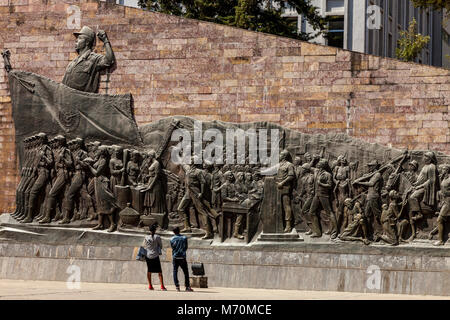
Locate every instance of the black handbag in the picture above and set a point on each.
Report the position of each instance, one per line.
(198, 269)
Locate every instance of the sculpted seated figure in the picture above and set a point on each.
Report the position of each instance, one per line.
(356, 229)
(389, 216)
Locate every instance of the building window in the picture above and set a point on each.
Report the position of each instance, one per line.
(390, 46)
(400, 12)
(390, 8)
(335, 34)
(371, 44)
(381, 42)
(406, 16)
(335, 5)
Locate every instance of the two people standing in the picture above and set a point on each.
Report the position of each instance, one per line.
(153, 244)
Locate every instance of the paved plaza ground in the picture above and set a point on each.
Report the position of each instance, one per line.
(43, 290)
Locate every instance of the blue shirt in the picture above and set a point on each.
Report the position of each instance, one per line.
(179, 246)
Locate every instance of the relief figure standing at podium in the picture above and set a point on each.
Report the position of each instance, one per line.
(285, 183)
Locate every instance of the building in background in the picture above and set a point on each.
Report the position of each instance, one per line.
(373, 26)
(128, 3)
(446, 44)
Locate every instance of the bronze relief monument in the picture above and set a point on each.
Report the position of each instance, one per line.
(84, 162)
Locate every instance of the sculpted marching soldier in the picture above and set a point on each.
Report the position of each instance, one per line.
(44, 159)
(423, 190)
(323, 185)
(372, 209)
(52, 143)
(92, 157)
(78, 178)
(24, 174)
(285, 182)
(83, 73)
(63, 163)
(29, 178)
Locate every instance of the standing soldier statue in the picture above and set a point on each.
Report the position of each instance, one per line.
(63, 163)
(41, 171)
(83, 73)
(78, 178)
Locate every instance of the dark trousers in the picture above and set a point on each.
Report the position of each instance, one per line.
(180, 262)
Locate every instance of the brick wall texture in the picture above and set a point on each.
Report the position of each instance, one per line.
(176, 66)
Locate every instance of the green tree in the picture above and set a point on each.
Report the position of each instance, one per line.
(435, 4)
(410, 43)
(256, 15)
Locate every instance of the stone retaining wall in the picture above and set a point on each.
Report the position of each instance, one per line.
(274, 268)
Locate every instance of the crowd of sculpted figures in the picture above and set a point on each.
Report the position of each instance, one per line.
(66, 181)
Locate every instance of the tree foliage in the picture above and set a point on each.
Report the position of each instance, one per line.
(410, 43)
(435, 4)
(256, 15)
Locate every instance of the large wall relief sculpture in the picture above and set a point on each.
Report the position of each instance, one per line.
(85, 163)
